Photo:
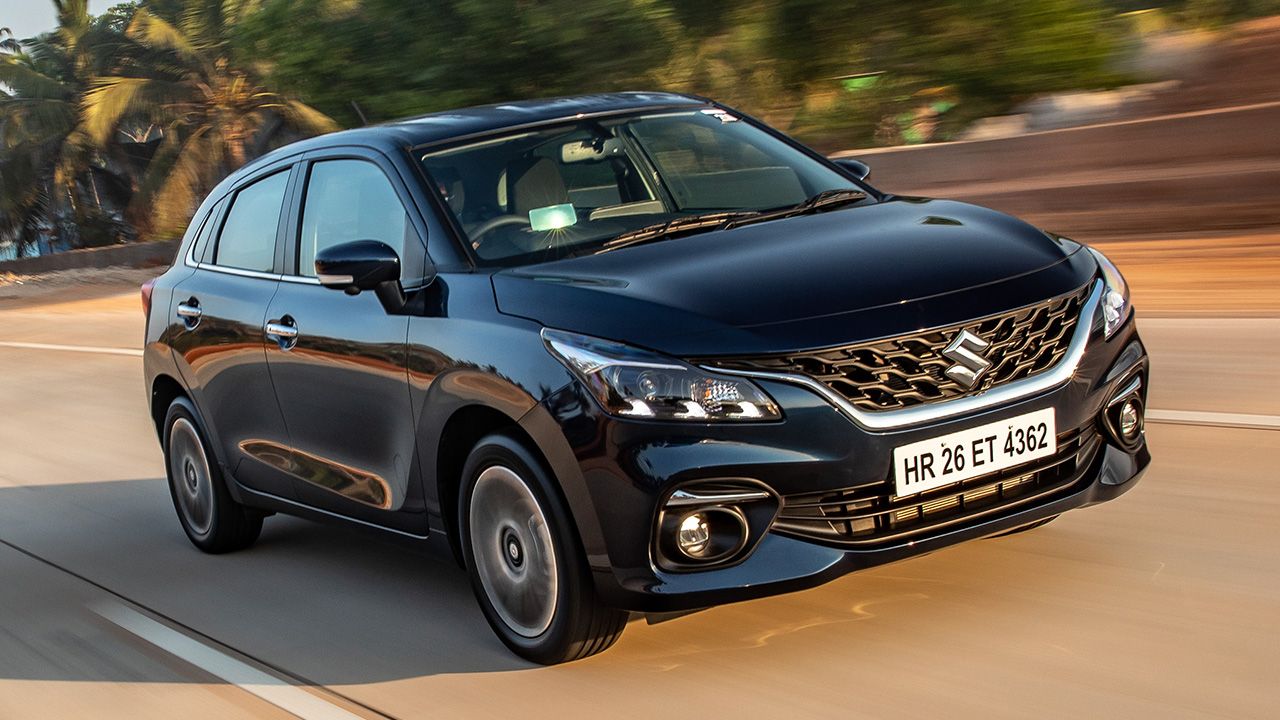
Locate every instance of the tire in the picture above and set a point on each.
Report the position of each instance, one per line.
(212, 519)
(542, 605)
(1028, 526)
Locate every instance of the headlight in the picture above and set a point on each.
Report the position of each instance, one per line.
(635, 383)
(1115, 297)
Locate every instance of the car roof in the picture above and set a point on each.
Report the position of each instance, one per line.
(481, 119)
(451, 124)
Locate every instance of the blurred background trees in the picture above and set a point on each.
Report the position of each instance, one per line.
(112, 127)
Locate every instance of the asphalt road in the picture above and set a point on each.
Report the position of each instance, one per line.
(1165, 603)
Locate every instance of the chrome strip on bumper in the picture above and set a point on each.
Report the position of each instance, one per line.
(920, 414)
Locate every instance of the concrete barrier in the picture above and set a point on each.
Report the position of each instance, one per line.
(1206, 171)
(1201, 137)
(157, 253)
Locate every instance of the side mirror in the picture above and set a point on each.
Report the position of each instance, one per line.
(856, 168)
(362, 265)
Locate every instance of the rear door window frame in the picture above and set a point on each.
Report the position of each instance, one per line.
(274, 271)
(218, 215)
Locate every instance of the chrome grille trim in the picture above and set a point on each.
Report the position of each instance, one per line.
(932, 412)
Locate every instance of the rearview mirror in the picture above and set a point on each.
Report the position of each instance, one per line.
(362, 265)
(591, 151)
(856, 168)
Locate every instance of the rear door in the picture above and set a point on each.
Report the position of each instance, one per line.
(340, 370)
(219, 311)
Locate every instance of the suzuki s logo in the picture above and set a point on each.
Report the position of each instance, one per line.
(969, 365)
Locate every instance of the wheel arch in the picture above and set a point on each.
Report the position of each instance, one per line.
(464, 416)
(463, 429)
(164, 390)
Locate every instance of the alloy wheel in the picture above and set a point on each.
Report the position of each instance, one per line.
(189, 473)
(514, 554)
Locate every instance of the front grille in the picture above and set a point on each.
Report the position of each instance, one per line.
(909, 370)
(870, 514)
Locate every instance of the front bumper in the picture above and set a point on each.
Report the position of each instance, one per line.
(629, 468)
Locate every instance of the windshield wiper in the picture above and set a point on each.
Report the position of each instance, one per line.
(678, 226)
(820, 201)
(731, 219)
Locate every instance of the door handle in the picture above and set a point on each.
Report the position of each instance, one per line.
(190, 313)
(280, 330)
(283, 331)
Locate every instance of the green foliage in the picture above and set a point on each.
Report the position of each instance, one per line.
(133, 113)
(161, 98)
(45, 161)
(212, 113)
(779, 59)
(394, 58)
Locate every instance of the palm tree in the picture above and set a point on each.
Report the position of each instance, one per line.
(8, 43)
(47, 170)
(213, 114)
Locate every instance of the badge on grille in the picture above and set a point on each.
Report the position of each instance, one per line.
(969, 365)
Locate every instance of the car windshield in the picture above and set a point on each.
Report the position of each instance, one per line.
(535, 196)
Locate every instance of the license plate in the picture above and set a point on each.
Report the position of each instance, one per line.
(989, 448)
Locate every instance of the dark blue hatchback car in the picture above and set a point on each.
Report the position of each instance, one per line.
(629, 352)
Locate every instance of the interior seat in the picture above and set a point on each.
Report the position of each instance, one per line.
(533, 183)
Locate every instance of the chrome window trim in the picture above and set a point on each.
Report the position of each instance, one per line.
(920, 414)
(232, 271)
(190, 262)
(300, 279)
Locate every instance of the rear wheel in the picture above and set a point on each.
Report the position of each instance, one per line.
(527, 570)
(212, 519)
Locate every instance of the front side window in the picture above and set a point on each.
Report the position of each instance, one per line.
(248, 238)
(349, 200)
(541, 195)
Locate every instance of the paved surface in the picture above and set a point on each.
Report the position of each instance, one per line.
(1164, 603)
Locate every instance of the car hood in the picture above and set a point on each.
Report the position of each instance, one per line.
(802, 282)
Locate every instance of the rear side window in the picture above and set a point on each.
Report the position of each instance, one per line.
(248, 239)
(203, 247)
(349, 200)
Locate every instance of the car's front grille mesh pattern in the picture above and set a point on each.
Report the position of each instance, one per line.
(909, 370)
(870, 514)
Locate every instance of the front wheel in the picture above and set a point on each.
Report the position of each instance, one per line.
(526, 568)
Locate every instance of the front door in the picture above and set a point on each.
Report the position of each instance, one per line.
(338, 361)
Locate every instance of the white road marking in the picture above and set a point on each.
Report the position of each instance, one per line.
(274, 690)
(1219, 419)
(72, 348)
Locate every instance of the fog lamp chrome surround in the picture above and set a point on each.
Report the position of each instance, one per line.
(734, 513)
(1124, 417)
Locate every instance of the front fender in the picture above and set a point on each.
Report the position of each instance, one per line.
(459, 390)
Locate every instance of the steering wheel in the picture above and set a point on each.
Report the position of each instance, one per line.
(492, 224)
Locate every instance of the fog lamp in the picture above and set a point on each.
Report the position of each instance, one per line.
(1122, 418)
(694, 537)
(1130, 420)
